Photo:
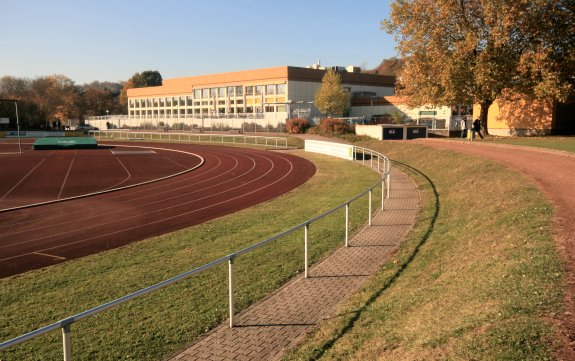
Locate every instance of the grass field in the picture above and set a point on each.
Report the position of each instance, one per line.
(156, 325)
(478, 279)
(566, 144)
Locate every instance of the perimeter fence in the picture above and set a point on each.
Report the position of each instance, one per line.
(237, 139)
(372, 159)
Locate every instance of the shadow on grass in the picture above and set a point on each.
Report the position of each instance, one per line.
(321, 350)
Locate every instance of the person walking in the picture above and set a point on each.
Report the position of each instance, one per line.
(463, 126)
(477, 127)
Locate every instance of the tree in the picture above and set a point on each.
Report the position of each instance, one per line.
(330, 98)
(56, 97)
(461, 52)
(140, 80)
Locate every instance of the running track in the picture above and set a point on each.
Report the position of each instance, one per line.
(229, 179)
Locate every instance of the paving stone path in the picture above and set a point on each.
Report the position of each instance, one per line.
(267, 329)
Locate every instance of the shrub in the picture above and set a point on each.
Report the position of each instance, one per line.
(296, 125)
(336, 126)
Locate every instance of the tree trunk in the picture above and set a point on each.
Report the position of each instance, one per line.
(485, 104)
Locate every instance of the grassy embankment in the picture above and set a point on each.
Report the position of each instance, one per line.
(158, 324)
(566, 144)
(479, 278)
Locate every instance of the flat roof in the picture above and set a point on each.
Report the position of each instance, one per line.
(177, 86)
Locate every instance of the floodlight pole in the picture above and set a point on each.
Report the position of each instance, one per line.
(17, 122)
(18, 128)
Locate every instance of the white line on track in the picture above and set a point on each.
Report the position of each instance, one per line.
(49, 255)
(21, 180)
(66, 178)
(126, 179)
(160, 219)
(116, 189)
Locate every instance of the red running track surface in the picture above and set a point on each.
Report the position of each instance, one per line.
(229, 179)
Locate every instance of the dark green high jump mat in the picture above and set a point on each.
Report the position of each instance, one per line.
(65, 143)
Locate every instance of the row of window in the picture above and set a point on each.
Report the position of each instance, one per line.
(210, 93)
(182, 113)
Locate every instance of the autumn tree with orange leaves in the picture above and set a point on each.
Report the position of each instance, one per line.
(474, 51)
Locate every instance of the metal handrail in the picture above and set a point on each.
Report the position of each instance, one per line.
(258, 140)
(64, 324)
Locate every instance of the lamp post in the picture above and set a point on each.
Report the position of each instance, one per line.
(17, 122)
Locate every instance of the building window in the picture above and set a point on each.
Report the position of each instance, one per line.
(281, 89)
(175, 101)
(162, 102)
(156, 102)
(270, 89)
(221, 102)
(197, 93)
(169, 102)
(240, 101)
(239, 91)
(221, 92)
(189, 100)
(205, 93)
(197, 103)
(213, 92)
(259, 89)
(270, 109)
(231, 91)
(182, 101)
(131, 103)
(249, 90)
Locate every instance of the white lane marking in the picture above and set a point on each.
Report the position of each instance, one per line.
(125, 180)
(21, 180)
(160, 220)
(49, 255)
(66, 178)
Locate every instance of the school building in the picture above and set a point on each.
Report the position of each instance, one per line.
(266, 97)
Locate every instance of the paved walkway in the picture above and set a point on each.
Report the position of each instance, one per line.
(265, 330)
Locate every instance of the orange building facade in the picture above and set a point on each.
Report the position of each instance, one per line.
(265, 96)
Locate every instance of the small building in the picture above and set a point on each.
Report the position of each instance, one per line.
(529, 117)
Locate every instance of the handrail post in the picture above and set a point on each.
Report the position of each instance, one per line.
(306, 232)
(67, 342)
(231, 290)
(371, 158)
(369, 212)
(388, 182)
(382, 193)
(347, 224)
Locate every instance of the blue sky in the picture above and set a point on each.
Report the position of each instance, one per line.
(108, 40)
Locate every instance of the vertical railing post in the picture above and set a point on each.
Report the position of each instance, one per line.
(305, 245)
(347, 224)
(369, 211)
(371, 158)
(231, 290)
(67, 342)
(382, 193)
(388, 182)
